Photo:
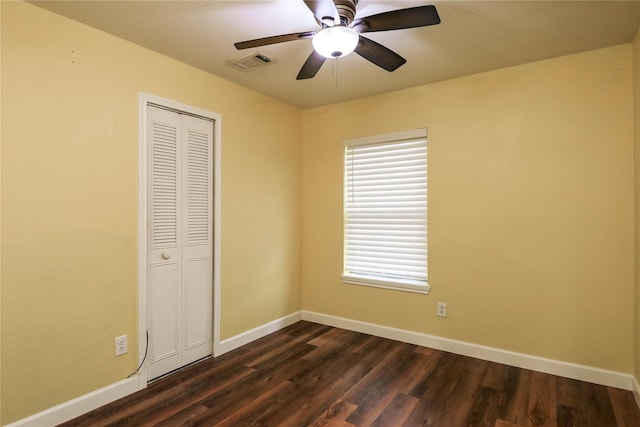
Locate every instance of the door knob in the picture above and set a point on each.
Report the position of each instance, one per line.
(165, 256)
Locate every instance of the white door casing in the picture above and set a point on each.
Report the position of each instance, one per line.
(179, 283)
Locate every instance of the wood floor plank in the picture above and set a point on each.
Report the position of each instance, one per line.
(329, 337)
(569, 392)
(437, 390)
(439, 362)
(180, 418)
(314, 375)
(498, 385)
(335, 415)
(397, 411)
(286, 348)
(498, 376)
(487, 408)
(569, 399)
(429, 361)
(425, 350)
(566, 416)
(625, 408)
(518, 405)
(318, 388)
(542, 409)
(380, 386)
(230, 400)
(457, 409)
(188, 400)
(254, 409)
(596, 409)
(503, 423)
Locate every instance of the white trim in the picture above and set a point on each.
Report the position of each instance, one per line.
(520, 360)
(217, 231)
(398, 285)
(144, 100)
(636, 390)
(69, 410)
(256, 333)
(420, 133)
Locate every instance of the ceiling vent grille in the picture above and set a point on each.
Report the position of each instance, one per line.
(251, 62)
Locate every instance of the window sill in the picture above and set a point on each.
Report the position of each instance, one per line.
(398, 285)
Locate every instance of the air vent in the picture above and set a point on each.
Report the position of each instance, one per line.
(251, 62)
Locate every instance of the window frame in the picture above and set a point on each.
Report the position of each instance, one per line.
(407, 285)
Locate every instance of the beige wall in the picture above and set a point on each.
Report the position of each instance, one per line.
(0, 215)
(636, 121)
(70, 203)
(531, 208)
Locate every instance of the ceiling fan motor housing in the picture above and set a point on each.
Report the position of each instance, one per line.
(346, 10)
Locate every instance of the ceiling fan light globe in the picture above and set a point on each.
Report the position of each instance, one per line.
(335, 42)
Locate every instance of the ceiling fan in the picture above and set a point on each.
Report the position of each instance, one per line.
(341, 33)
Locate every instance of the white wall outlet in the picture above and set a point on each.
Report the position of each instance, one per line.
(121, 345)
(442, 309)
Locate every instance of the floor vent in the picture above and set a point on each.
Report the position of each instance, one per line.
(251, 62)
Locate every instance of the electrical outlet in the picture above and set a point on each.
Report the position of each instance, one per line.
(442, 309)
(121, 345)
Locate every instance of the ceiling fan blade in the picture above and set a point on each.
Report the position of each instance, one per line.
(378, 54)
(412, 17)
(322, 9)
(311, 66)
(273, 40)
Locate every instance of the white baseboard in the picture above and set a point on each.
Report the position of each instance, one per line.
(256, 333)
(520, 360)
(73, 408)
(83, 404)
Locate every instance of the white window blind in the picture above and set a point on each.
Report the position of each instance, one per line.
(385, 211)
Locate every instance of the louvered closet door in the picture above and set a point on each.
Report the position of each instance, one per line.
(180, 240)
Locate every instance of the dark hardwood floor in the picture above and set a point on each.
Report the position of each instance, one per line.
(315, 375)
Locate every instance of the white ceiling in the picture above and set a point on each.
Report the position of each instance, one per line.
(474, 36)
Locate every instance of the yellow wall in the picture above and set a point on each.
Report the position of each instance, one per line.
(531, 208)
(0, 218)
(636, 121)
(70, 203)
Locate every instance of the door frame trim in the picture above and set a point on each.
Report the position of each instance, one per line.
(143, 224)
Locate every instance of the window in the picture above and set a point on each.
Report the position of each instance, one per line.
(385, 211)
